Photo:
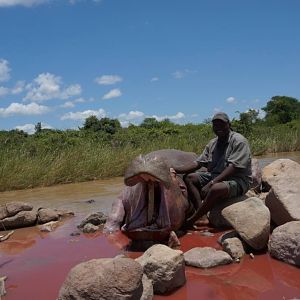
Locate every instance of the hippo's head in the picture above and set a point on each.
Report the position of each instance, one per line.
(146, 169)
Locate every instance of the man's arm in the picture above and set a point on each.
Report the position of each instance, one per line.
(188, 168)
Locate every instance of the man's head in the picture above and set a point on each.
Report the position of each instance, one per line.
(221, 125)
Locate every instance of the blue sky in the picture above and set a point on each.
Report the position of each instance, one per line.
(61, 61)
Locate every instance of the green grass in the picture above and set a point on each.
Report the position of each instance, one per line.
(55, 157)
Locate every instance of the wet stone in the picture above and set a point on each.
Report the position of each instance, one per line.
(206, 257)
(234, 247)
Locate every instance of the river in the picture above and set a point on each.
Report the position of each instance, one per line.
(37, 263)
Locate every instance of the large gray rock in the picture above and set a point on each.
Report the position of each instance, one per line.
(21, 219)
(284, 243)
(46, 215)
(12, 208)
(105, 278)
(251, 219)
(206, 257)
(215, 215)
(164, 266)
(283, 200)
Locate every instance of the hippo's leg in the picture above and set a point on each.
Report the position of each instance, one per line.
(116, 216)
(173, 241)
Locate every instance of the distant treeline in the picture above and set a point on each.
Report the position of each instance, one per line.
(102, 149)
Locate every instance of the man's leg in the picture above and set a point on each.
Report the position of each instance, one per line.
(193, 188)
(216, 193)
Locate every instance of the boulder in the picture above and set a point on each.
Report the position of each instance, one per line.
(284, 243)
(96, 219)
(104, 278)
(46, 215)
(12, 208)
(215, 215)
(283, 200)
(90, 228)
(21, 219)
(251, 219)
(256, 175)
(164, 266)
(234, 247)
(206, 257)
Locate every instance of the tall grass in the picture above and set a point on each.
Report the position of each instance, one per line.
(54, 157)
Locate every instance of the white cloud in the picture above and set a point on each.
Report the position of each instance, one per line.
(48, 86)
(154, 79)
(3, 91)
(108, 79)
(18, 88)
(231, 100)
(132, 115)
(30, 128)
(82, 115)
(77, 1)
(112, 94)
(22, 109)
(176, 117)
(68, 104)
(4, 69)
(5, 3)
(79, 100)
(179, 74)
(72, 90)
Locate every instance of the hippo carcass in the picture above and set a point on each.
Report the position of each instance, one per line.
(154, 202)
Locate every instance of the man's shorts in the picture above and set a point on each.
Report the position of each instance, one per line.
(234, 189)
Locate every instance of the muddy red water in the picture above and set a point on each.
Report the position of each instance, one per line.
(37, 263)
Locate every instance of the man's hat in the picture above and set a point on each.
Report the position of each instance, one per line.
(221, 116)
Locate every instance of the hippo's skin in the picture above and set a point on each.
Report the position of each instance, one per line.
(137, 216)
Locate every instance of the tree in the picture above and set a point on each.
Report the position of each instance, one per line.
(107, 125)
(282, 109)
(91, 123)
(150, 123)
(246, 120)
(38, 127)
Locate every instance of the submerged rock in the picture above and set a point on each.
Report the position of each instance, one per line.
(284, 243)
(206, 257)
(46, 215)
(48, 227)
(90, 228)
(12, 208)
(164, 266)
(21, 219)
(96, 219)
(251, 219)
(105, 278)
